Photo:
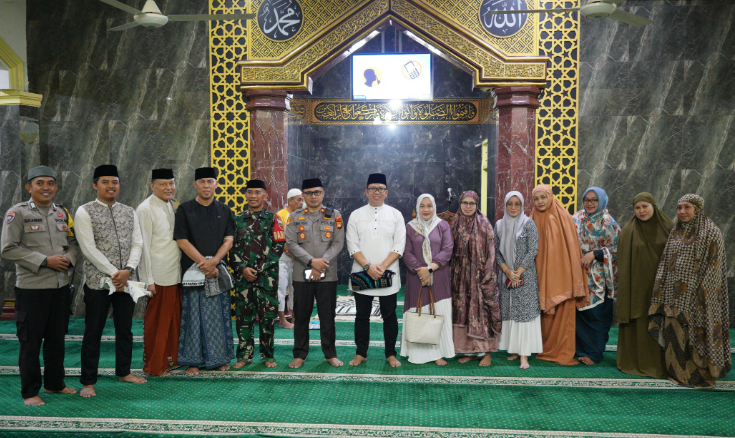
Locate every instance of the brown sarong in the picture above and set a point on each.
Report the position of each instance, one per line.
(161, 324)
(558, 333)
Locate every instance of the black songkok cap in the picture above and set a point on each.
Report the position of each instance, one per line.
(205, 172)
(255, 184)
(377, 178)
(311, 183)
(162, 174)
(105, 170)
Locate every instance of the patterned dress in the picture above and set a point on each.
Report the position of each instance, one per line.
(259, 241)
(599, 233)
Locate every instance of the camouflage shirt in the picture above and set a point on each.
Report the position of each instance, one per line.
(259, 241)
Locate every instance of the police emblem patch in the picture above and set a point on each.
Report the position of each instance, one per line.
(35, 227)
(301, 218)
(302, 236)
(327, 227)
(65, 227)
(339, 222)
(301, 228)
(59, 214)
(329, 235)
(9, 217)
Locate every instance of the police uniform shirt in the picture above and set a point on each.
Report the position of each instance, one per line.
(313, 235)
(31, 234)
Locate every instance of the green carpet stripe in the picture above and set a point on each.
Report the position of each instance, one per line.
(413, 379)
(422, 405)
(284, 429)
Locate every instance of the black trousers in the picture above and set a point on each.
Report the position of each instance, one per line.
(41, 316)
(303, 305)
(364, 305)
(97, 304)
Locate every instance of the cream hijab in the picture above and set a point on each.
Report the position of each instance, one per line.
(425, 227)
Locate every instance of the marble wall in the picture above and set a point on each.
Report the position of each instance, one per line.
(657, 109)
(138, 99)
(416, 158)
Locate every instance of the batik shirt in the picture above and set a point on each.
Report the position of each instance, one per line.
(259, 240)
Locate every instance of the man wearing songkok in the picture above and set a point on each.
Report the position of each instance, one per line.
(259, 240)
(110, 239)
(161, 269)
(204, 230)
(315, 237)
(295, 201)
(38, 237)
(376, 237)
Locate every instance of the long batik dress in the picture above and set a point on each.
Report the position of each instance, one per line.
(599, 233)
(519, 307)
(259, 241)
(640, 246)
(562, 284)
(689, 309)
(475, 303)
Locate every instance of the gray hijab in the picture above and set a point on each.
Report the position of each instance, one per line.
(509, 228)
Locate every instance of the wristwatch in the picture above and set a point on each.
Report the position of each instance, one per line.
(366, 267)
(431, 271)
(44, 262)
(130, 269)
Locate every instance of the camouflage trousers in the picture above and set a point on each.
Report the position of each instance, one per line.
(249, 303)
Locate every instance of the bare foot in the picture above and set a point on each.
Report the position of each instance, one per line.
(87, 391)
(66, 390)
(130, 378)
(393, 362)
(270, 364)
(224, 367)
(465, 359)
(283, 322)
(440, 362)
(192, 371)
(586, 360)
(486, 360)
(335, 362)
(164, 374)
(524, 363)
(358, 360)
(33, 401)
(513, 357)
(296, 363)
(240, 364)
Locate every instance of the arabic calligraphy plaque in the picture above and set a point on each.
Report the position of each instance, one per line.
(280, 20)
(446, 111)
(504, 25)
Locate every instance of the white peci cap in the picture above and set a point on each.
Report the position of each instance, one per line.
(292, 193)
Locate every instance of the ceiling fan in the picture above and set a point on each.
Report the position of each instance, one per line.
(593, 9)
(151, 16)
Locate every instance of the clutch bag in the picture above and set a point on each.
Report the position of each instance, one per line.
(362, 281)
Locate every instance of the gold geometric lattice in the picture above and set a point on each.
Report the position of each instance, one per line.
(556, 118)
(230, 142)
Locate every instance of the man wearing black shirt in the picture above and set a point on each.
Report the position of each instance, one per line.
(204, 231)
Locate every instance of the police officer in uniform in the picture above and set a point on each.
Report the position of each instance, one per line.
(37, 236)
(315, 237)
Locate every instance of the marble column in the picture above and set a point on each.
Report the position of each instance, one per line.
(269, 143)
(516, 144)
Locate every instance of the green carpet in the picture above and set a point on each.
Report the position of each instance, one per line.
(457, 400)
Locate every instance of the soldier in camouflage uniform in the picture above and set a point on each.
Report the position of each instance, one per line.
(259, 241)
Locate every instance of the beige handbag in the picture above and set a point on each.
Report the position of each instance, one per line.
(424, 329)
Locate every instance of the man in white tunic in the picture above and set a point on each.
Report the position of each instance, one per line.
(376, 237)
(295, 201)
(162, 271)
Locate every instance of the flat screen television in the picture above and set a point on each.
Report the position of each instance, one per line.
(399, 76)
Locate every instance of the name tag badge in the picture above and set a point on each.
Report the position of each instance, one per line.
(327, 227)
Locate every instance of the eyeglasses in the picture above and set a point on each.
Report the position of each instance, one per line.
(314, 193)
(468, 204)
(377, 189)
(590, 201)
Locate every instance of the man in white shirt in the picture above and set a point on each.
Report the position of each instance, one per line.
(295, 201)
(162, 271)
(109, 236)
(376, 237)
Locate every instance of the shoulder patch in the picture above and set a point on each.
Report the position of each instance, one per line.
(59, 214)
(339, 222)
(279, 234)
(9, 217)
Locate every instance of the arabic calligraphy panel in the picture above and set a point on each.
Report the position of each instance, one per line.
(505, 25)
(280, 20)
(439, 111)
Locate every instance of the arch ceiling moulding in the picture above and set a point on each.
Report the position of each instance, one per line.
(332, 30)
(16, 94)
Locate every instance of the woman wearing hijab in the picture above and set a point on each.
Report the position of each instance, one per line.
(475, 307)
(562, 284)
(640, 246)
(598, 236)
(689, 308)
(428, 250)
(516, 246)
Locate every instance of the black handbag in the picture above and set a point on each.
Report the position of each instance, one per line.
(362, 281)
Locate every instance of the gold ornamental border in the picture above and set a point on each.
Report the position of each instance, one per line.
(347, 112)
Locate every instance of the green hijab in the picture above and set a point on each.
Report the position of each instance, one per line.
(640, 246)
